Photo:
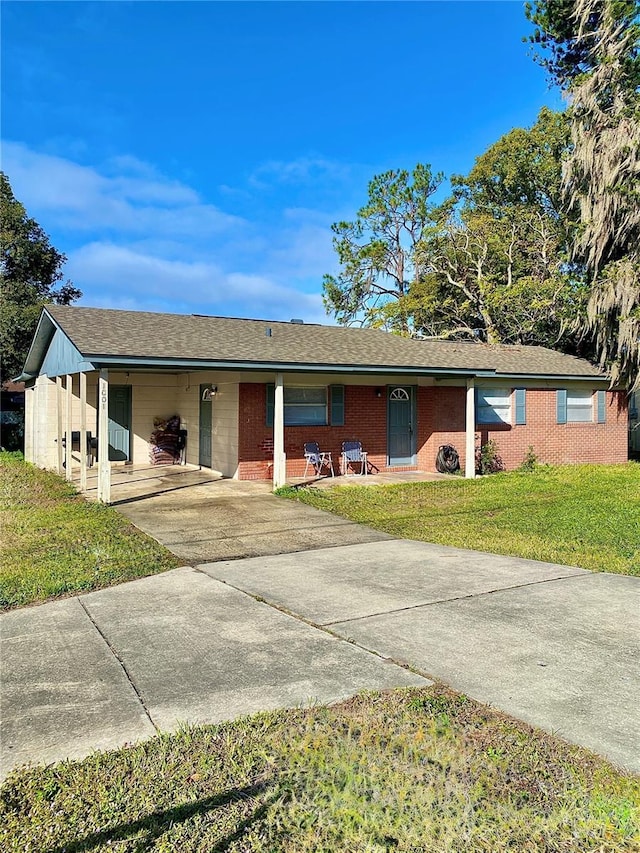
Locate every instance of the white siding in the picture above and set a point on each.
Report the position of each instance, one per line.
(224, 449)
(224, 439)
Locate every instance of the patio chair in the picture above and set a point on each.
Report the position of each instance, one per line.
(318, 459)
(353, 458)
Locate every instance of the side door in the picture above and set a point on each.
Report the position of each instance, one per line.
(204, 429)
(120, 423)
(400, 425)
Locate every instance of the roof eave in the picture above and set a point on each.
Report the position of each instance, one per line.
(299, 367)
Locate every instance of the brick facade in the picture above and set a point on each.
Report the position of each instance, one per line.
(441, 416)
(440, 420)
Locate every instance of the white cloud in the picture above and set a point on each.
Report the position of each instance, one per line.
(137, 238)
(302, 170)
(133, 200)
(116, 276)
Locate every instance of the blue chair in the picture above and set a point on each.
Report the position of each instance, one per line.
(353, 458)
(318, 459)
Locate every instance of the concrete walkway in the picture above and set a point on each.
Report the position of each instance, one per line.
(553, 645)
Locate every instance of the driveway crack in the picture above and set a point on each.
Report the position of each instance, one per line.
(458, 598)
(123, 666)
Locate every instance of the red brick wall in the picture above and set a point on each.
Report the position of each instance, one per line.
(441, 417)
(365, 419)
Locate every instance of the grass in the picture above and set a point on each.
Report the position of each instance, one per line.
(55, 542)
(582, 515)
(408, 770)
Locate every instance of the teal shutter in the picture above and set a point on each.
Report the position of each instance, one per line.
(602, 407)
(337, 405)
(561, 405)
(271, 399)
(521, 406)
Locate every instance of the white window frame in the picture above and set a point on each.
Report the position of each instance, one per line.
(580, 407)
(495, 412)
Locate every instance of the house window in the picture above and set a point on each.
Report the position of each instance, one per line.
(493, 406)
(579, 406)
(305, 406)
(308, 406)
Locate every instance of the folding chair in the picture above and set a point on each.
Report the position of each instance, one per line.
(353, 455)
(317, 459)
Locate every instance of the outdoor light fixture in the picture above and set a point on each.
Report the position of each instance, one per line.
(378, 392)
(209, 392)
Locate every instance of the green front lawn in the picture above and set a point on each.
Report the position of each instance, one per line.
(54, 542)
(582, 515)
(409, 770)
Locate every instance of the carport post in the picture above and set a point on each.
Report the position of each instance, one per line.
(68, 445)
(83, 432)
(60, 449)
(279, 459)
(470, 433)
(104, 471)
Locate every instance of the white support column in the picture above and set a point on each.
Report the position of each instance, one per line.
(279, 458)
(470, 433)
(104, 469)
(68, 452)
(60, 449)
(83, 432)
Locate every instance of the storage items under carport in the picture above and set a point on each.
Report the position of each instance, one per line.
(167, 443)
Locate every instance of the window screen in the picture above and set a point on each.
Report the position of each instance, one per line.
(579, 406)
(305, 406)
(493, 405)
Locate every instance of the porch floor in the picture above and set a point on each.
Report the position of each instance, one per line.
(384, 478)
(132, 482)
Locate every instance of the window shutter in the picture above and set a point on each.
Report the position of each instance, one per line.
(602, 407)
(271, 398)
(521, 406)
(337, 405)
(561, 405)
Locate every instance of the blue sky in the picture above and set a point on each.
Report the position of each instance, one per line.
(191, 156)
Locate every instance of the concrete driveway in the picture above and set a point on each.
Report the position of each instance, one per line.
(228, 519)
(553, 645)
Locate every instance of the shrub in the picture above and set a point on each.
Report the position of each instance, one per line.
(530, 461)
(488, 460)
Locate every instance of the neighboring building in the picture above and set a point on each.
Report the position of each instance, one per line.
(12, 416)
(251, 392)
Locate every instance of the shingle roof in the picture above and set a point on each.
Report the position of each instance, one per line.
(105, 333)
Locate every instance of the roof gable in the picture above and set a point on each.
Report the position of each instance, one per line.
(63, 357)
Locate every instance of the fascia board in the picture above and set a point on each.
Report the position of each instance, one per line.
(284, 367)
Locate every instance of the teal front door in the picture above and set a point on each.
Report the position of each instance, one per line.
(204, 432)
(400, 425)
(120, 423)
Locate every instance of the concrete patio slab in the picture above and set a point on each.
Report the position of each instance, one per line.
(563, 655)
(199, 651)
(225, 520)
(362, 580)
(64, 694)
